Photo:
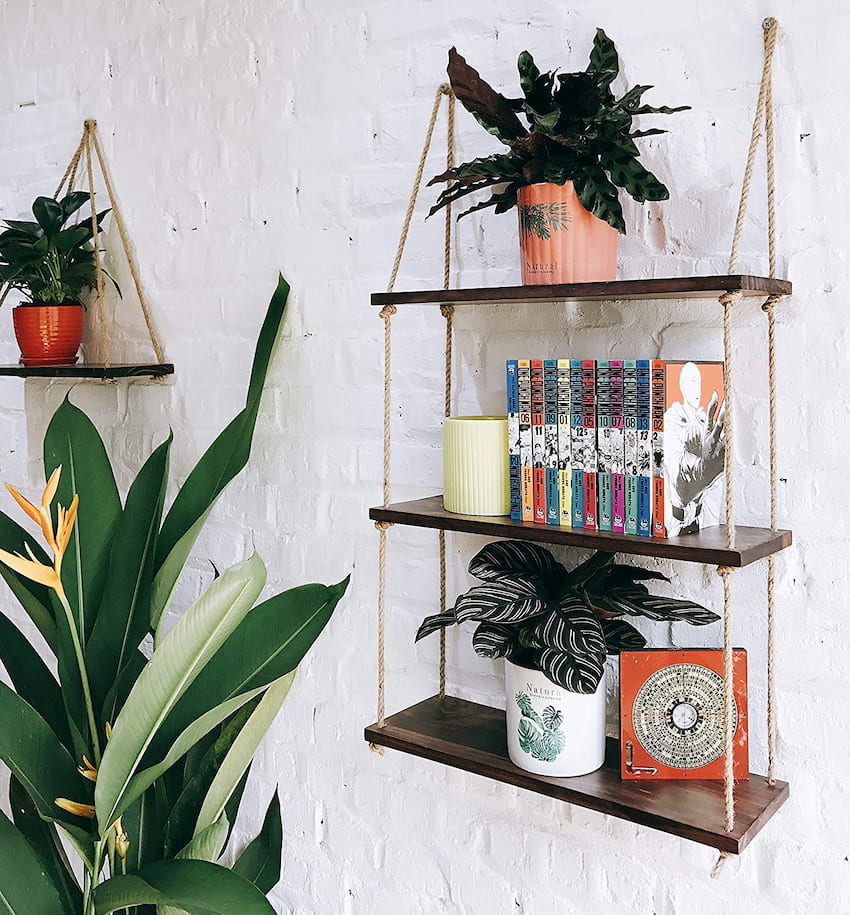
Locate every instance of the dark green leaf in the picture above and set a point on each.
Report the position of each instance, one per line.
(604, 62)
(503, 601)
(492, 641)
(70, 238)
(577, 674)
(599, 196)
(144, 822)
(260, 861)
(49, 214)
(621, 636)
(25, 887)
(507, 559)
(28, 228)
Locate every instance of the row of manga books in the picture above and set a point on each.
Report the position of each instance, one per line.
(631, 446)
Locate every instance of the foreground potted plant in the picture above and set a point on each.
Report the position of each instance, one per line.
(563, 169)
(128, 767)
(51, 263)
(554, 629)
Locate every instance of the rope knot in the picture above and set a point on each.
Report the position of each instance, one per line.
(729, 298)
(383, 525)
(90, 124)
(724, 571)
(445, 89)
(447, 310)
(770, 302)
(387, 311)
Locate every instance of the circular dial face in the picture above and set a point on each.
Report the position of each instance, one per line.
(678, 716)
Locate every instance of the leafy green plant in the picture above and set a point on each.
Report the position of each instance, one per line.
(540, 735)
(138, 759)
(577, 130)
(535, 613)
(48, 260)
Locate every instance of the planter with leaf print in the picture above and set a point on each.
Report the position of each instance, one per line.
(560, 241)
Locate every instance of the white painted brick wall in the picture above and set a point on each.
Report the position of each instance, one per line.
(250, 136)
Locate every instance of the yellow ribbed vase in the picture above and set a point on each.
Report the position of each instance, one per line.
(475, 465)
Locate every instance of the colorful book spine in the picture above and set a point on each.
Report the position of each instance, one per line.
(526, 480)
(588, 387)
(577, 442)
(618, 454)
(550, 398)
(514, 457)
(630, 448)
(538, 440)
(564, 450)
(658, 407)
(644, 449)
(603, 443)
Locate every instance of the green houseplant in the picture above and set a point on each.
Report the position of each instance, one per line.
(52, 262)
(138, 759)
(560, 624)
(562, 166)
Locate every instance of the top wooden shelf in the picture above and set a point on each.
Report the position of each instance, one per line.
(88, 370)
(677, 287)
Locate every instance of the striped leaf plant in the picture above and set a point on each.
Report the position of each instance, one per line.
(531, 610)
(128, 765)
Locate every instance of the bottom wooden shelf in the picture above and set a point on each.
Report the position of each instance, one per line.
(88, 370)
(472, 737)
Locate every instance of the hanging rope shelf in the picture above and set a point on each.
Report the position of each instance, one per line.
(87, 151)
(724, 815)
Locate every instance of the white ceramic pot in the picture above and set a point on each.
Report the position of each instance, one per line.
(552, 731)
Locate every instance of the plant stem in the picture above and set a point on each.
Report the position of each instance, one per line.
(88, 901)
(84, 677)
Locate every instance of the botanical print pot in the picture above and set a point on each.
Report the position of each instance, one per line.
(552, 731)
(48, 334)
(560, 241)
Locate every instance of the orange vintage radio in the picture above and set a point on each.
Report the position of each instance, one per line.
(671, 714)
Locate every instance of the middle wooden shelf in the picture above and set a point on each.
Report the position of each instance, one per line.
(707, 546)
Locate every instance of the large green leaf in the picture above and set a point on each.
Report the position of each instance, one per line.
(260, 860)
(184, 652)
(44, 841)
(25, 887)
(143, 822)
(270, 642)
(124, 615)
(72, 441)
(198, 887)
(227, 455)
(209, 843)
(32, 679)
(238, 758)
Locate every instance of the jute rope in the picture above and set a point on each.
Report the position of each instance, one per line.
(386, 314)
(88, 129)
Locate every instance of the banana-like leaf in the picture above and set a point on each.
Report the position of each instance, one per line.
(270, 642)
(260, 860)
(143, 822)
(208, 844)
(25, 887)
(198, 887)
(32, 679)
(72, 441)
(44, 841)
(227, 455)
(621, 636)
(503, 601)
(510, 558)
(124, 615)
(492, 641)
(239, 757)
(184, 652)
(33, 597)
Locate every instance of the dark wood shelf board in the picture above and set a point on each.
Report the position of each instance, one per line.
(472, 737)
(88, 370)
(708, 546)
(676, 287)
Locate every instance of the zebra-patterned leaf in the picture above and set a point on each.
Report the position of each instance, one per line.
(577, 674)
(509, 601)
(433, 623)
(492, 641)
(583, 573)
(635, 601)
(573, 629)
(527, 638)
(621, 636)
(510, 558)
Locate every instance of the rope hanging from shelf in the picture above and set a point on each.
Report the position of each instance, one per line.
(763, 118)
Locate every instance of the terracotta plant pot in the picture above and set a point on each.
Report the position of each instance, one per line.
(48, 334)
(560, 241)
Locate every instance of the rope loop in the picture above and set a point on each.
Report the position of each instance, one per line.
(728, 299)
(387, 311)
(725, 571)
(445, 89)
(447, 310)
(383, 525)
(770, 302)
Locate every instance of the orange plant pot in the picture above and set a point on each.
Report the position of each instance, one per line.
(560, 241)
(48, 334)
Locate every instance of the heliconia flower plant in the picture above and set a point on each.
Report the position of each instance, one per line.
(137, 760)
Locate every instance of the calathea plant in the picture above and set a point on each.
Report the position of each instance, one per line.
(537, 614)
(137, 760)
(575, 129)
(48, 260)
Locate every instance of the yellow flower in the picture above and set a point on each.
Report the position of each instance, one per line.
(57, 540)
(122, 843)
(87, 770)
(80, 810)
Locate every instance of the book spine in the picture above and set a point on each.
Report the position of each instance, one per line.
(591, 462)
(658, 407)
(618, 454)
(603, 443)
(514, 459)
(538, 440)
(564, 449)
(577, 443)
(644, 449)
(630, 447)
(550, 395)
(526, 482)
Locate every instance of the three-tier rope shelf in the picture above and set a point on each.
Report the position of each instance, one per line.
(725, 814)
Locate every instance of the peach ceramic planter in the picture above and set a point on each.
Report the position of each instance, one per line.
(560, 241)
(48, 334)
